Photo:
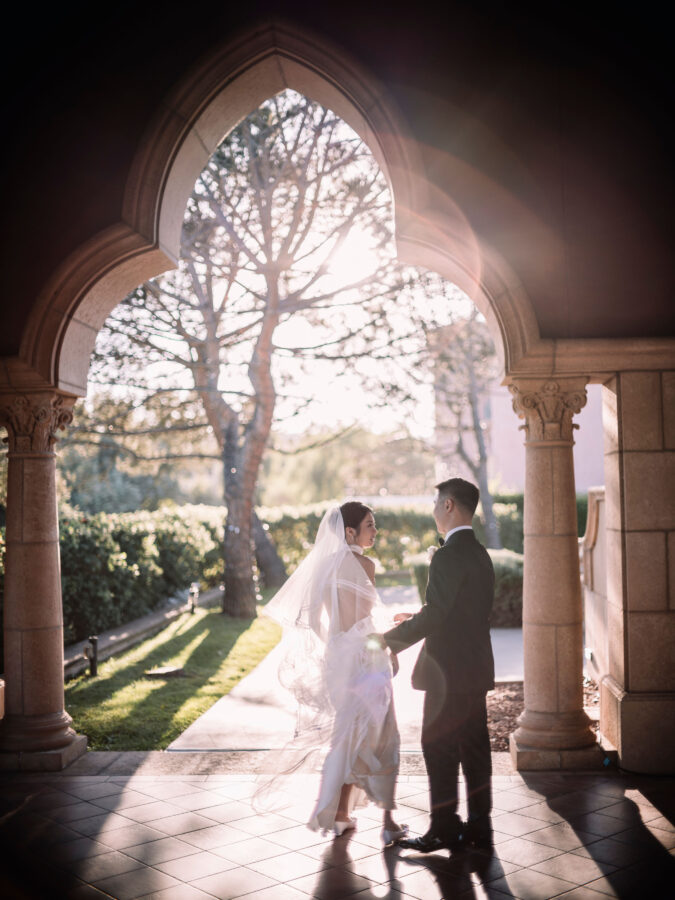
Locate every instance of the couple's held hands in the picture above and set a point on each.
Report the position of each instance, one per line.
(378, 639)
(377, 642)
(398, 618)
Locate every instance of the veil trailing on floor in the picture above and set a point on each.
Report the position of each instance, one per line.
(340, 681)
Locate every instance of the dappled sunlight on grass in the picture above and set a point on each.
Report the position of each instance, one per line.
(151, 652)
(122, 709)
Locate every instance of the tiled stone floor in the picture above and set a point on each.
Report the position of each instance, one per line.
(196, 836)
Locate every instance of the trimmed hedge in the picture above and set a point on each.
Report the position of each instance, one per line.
(115, 568)
(507, 611)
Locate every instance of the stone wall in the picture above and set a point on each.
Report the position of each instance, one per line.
(637, 698)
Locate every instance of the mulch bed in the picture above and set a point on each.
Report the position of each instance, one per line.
(505, 704)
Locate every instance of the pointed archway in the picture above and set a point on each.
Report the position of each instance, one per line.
(431, 231)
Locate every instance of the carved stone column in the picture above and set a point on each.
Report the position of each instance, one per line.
(553, 726)
(36, 732)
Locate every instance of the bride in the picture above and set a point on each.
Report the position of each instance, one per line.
(340, 677)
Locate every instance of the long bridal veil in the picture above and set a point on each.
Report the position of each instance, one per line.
(329, 590)
(342, 687)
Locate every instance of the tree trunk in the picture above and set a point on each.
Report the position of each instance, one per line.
(256, 431)
(239, 599)
(491, 528)
(270, 564)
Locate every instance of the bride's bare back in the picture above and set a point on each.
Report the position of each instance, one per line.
(356, 589)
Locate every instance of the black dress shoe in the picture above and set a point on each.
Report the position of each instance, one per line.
(431, 843)
(480, 838)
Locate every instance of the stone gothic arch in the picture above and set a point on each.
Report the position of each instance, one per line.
(430, 229)
(547, 377)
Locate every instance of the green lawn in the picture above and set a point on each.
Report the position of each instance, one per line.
(121, 709)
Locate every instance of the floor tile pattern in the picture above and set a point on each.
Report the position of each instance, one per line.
(198, 837)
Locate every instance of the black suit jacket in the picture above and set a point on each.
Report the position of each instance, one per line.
(454, 621)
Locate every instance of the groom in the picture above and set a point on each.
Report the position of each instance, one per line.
(455, 669)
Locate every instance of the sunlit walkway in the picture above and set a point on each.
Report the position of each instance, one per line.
(133, 833)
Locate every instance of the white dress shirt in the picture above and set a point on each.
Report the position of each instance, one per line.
(453, 530)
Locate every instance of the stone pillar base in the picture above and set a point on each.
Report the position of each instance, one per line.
(36, 734)
(45, 760)
(555, 730)
(536, 759)
(641, 725)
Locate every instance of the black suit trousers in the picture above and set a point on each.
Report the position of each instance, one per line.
(454, 732)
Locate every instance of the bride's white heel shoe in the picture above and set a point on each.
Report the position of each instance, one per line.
(339, 828)
(390, 837)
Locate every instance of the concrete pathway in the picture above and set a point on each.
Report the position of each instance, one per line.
(258, 714)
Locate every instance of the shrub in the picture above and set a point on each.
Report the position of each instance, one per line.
(115, 568)
(183, 544)
(582, 513)
(94, 583)
(206, 525)
(421, 576)
(135, 535)
(507, 611)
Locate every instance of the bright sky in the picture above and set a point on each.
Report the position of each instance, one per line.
(343, 398)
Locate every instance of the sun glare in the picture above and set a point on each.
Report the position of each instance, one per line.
(356, 259)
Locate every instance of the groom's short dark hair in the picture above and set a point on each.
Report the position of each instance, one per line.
(464, 493)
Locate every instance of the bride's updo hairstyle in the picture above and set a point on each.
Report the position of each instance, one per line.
(353, 513)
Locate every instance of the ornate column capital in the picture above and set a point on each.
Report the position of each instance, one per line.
(548, 407)
(33, 418)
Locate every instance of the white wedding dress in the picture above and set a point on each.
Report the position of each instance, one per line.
(341, 680)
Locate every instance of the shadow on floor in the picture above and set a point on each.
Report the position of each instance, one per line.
(625, 823)
(192, 832)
